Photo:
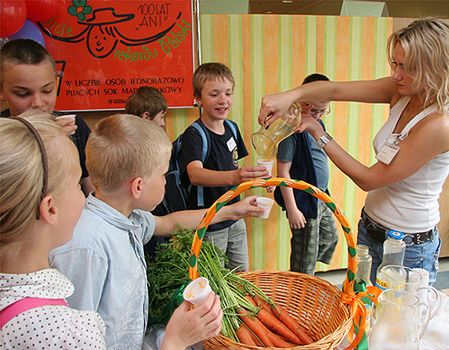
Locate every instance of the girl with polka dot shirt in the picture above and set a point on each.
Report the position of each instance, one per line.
(41, 203)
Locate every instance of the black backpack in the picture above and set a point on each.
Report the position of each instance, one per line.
(176, 194)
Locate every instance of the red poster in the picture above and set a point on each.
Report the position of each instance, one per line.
(106, 49)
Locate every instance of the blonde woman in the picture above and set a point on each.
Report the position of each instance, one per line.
(41, 201)
(412, 147)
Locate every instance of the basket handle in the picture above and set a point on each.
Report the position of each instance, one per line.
(348, 285)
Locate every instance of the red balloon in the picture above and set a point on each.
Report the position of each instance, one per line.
(13, 14)
(41, 10)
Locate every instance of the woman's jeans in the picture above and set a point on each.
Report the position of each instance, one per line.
(424, 256)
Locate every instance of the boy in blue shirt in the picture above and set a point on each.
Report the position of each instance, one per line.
(213, 88)
(127, 158)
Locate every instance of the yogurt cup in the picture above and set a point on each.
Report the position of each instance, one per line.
(265, 203)
(197, 291)
(67, 117)
(268, 164)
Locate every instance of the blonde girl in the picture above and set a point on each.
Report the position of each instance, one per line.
(41, 201)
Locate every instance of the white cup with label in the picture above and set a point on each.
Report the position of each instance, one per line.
(265, 203)
(268, 164)
(197, 291)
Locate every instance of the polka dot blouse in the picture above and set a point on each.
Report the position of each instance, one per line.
(47, 327)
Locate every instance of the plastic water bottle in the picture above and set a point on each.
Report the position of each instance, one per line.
(394, 251)
(362, 280)
(364, 262)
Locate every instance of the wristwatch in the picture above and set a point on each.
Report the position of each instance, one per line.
(324, 140)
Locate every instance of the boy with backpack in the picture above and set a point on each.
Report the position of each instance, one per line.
(210, 176)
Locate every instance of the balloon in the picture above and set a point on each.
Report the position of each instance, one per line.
(13, 14)
(29, 31)
(41, 10)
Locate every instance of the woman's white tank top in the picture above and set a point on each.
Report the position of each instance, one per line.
(410, 205)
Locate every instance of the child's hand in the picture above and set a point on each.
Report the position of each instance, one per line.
(245, 207)
(189, 326)
(296, 219)
(252, 172)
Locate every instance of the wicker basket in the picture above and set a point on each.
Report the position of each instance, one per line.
(325, 312)
(306, 299)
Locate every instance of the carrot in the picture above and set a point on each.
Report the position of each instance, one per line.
(244, 335)
(255, 325)
(275, 325)
(292, 324)
(256, 340)
(250, 299)
(278, 341)
(262, 303)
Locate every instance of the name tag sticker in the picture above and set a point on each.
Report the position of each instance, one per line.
(231, 144)
(387, 153)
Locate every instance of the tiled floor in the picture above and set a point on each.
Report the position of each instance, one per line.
(337, 276)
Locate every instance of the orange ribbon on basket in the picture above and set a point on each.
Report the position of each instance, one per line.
(359, 311)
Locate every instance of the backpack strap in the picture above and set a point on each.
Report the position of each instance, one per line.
(204, 154)
(233, 128)
(26, 304)
(205, 150)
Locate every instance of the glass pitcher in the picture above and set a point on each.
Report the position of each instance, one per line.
(401, 320)
(399, 277)
(266, 140)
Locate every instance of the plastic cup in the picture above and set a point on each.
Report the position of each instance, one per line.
(265, 203)
(197, 291)
(68, 119)
(424, 276)
(268, 164)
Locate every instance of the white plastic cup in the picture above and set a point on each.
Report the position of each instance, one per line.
(265, 203)
(424, 276)
(68, 118)
(197, 291)
(268, 164)
(427, 294)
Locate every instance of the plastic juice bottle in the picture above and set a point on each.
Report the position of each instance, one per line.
(394, 251)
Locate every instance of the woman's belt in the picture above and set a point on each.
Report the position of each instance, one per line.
(379, 233)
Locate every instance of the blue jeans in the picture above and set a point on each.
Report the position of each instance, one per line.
(424, 256)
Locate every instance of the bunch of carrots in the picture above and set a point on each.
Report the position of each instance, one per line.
(263, 322)
(250, 316)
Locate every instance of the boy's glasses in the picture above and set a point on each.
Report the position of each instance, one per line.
(316, 113)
